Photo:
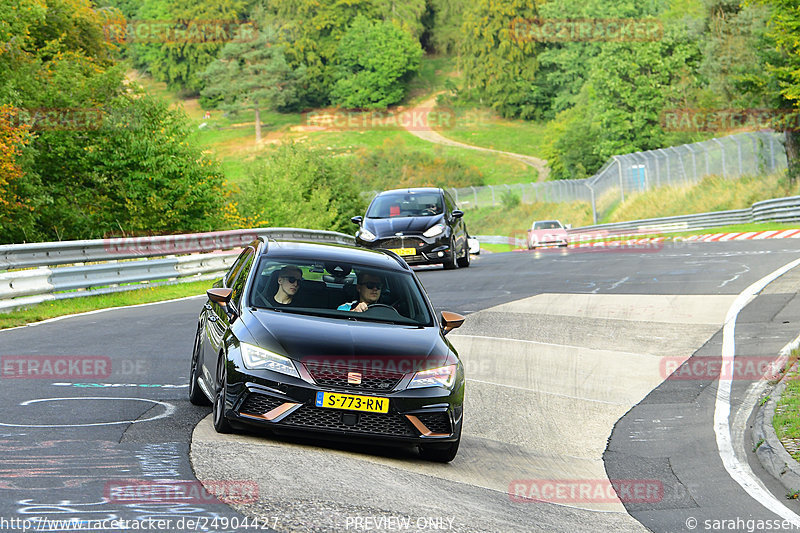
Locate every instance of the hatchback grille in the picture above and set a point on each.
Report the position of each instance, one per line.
(378, 424)
(259, 404)
(400, 243)
(436, 422)
(337, 376)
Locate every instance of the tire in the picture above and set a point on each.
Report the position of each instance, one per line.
(463, 262)
(440, 453)
(450, 262)
(221, 424)
(196, 395)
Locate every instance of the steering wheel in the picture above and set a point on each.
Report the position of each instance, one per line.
(370, 306)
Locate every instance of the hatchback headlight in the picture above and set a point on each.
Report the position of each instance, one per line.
(444, 376)
(434, 230)
(366, 235)
(256, 358)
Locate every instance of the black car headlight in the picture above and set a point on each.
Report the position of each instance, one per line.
(256, 358)
(444, 376)
(434, 230)
(366, 235)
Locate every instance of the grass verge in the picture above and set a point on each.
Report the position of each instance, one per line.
(52, 309)
(786, 422)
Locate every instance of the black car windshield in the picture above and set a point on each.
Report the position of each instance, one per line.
(334, 290)
(406, 204)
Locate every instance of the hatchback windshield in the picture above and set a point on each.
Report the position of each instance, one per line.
(547, 225)
(335, 289)
(405, 205)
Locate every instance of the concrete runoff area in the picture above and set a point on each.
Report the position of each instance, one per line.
(547, 378)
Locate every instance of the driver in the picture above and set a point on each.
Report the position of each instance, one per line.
(369, 287)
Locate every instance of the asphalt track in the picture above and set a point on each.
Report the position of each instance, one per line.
(566, 354)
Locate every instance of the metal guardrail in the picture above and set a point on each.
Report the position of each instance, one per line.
(125, 263)
(775, 210)
(71, 252)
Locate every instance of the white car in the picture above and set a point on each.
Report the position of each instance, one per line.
(547, 233)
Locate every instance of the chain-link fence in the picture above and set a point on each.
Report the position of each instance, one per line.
(731, 157)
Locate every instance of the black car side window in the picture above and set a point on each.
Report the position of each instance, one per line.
(241, 276)
(449, 203)
(235, 269)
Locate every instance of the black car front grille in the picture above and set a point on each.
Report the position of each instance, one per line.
(259, 404)
(436, 422)
(395, 243)
(374, 379)
(373, 423)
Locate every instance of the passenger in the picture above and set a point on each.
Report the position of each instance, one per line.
(289, 278)
(369, 287)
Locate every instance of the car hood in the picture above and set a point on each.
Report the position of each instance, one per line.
(386, 227)
(548, 234)
(306, 338)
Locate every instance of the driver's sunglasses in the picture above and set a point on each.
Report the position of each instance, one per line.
(293, 280)
(372, 285)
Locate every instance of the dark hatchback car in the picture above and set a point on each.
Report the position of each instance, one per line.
(422, 225)
(312, 365)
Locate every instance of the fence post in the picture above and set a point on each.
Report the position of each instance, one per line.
(739, 149)
(594, 205)
(694, 161)
(669, 171)
(621, 183)
(772, 152)
(680, 160)
(722, 146)
(474, 195)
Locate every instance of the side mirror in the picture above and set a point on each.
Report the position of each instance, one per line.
(357, 220)
(223, 298)
(457, 213)
(451, 321)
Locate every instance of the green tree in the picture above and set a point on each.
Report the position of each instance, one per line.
(300, 187)
(446, 18)
(114, 159)
(310, 31)
(500, 65)
(252, 75)
(374, 58)
(179, 59)
(620, 106)
(781, 85)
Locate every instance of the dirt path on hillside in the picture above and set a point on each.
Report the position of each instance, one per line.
(427, 134)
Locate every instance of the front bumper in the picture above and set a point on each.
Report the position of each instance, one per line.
(427, 250)
(415, 416)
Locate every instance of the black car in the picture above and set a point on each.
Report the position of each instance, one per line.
(422, 225)
(312, 365)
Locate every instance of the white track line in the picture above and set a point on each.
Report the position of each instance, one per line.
(740, 471)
